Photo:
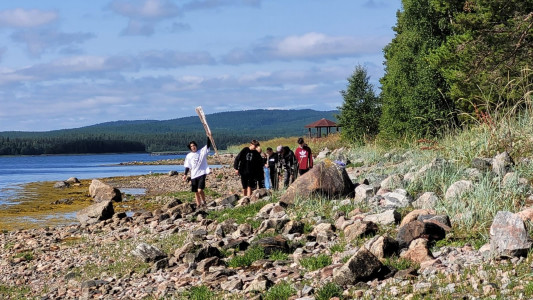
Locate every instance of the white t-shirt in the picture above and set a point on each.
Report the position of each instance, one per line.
(197, 162)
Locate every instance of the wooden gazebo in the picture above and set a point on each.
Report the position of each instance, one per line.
(322, 123)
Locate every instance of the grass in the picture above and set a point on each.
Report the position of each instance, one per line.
(399, 263)
(14, 292)
(251, 254)
(315, 262)
(328, 291)
(201, 292)
(241, 214)
(280, 291)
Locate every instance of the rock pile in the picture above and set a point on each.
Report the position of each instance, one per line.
(165, 252)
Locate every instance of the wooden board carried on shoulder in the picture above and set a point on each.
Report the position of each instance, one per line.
(201, 115)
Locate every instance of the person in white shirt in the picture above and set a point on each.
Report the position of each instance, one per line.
(196, 163)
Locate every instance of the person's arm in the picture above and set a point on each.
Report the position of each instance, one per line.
(237, 161)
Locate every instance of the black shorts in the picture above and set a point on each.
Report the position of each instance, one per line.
(248, 181)
(198, 183)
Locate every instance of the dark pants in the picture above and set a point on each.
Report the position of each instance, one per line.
(274, 178)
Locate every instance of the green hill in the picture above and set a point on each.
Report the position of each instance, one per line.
(167, 135)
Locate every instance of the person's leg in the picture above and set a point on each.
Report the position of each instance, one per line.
(198, 199)
(286, 178)
(201, 188)
(244, 183)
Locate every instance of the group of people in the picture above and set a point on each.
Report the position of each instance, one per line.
(250, 164)
(284, 163)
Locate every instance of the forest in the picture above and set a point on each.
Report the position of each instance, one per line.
(166, 135)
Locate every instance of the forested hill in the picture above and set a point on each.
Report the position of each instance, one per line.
(168, 135)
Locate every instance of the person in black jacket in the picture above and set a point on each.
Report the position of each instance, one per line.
(248, 164)
(287, 160)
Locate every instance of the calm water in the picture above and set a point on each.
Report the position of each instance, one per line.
(17, 170)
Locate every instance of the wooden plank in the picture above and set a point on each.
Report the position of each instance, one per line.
(201, 115)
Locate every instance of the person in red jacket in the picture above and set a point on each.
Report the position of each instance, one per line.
(304, 157)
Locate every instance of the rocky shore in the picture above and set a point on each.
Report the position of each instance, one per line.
(337, 232)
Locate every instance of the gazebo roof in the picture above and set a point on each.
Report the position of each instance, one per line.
(322, 123)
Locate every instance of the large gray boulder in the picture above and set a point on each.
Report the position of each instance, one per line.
(508, 236)
(325, 178)
(100, 191)
(95, 213)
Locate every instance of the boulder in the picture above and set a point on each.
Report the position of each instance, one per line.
(61, 185)
(362, 266)
(508, 236)
(97, 212)
(387, 217)
(325, 178)
(416, 229)
(427, 200)
(359, 228)
(72, 180)
(418, 251)
(148, 253)
(382, 246)
(273, 244)
(100, 191)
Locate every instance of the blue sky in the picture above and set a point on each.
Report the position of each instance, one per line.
(68, 64)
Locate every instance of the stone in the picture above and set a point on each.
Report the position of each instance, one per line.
(227, 200)
(359, 228)
(392, 182)
(362, 266)
(418, 251)
(61, 185)
(398, 198)
(273, 244)
(260, 284)
(293, 227)
(382, 246)
(457, 189)
(363, 192)
(508, 236)
(427, 200)
(416, 229)
(326, 178)
(100, 191)
(206, 252)
(96, 213)
(387, 217)
(413, 215)
(482, 164)
(72, 180)
(148, 252)
(501, 164)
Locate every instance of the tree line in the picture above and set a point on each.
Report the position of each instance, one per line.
(451, 63)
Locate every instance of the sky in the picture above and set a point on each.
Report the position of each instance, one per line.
(69, 64)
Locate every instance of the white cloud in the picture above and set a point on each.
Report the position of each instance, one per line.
(309, 46)
(22, 18)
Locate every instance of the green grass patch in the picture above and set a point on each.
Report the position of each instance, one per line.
(279, 255)
(399, 263)
(338, 247)
(201, 292)
(241, 214)
(26, 255)
(328, 291)
(315, 262)
(14, 292)
(247, 258)
(281, 291)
